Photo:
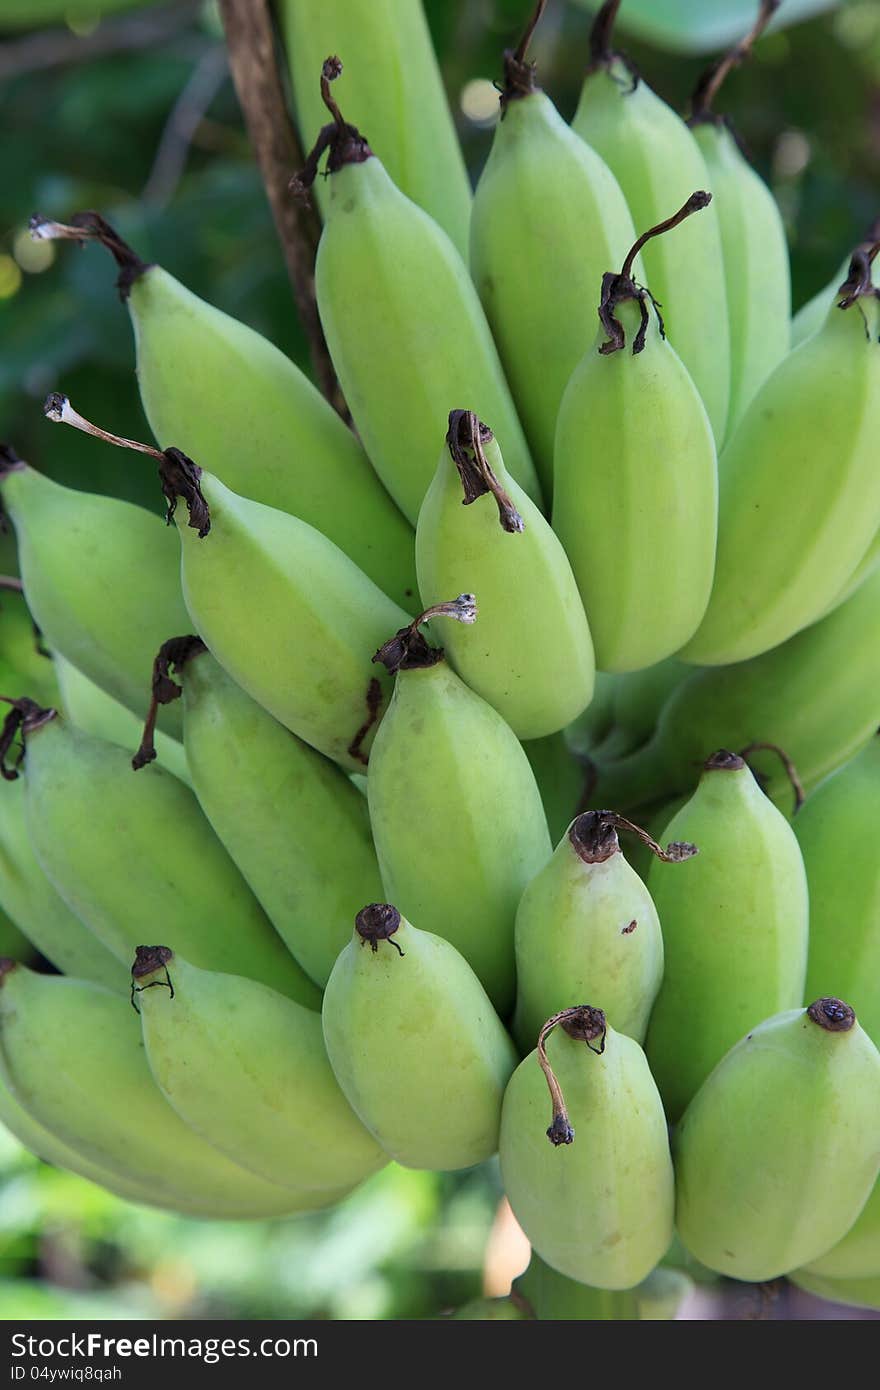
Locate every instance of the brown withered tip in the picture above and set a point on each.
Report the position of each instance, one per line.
(594, 837)
(724, 761)
(377, 922)
(148, 959)
(560, 1131)
(179, 476)
(832, 1015)
(7, 964)
(585, 1024)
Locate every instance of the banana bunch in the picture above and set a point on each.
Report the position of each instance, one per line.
(326, 778)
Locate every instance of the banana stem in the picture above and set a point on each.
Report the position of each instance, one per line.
(12, 583)
(791, 771)
(601, 52)
(408, 650)
(712, 79)
(519, 74)
(91, 226)
(24, 716)
(465, 437)
(343, 142)
(172, 655)
(58, 409)
(695, 203)
(593, 835)
(584, 1024)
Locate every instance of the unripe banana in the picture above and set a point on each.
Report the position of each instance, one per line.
(778, 1151)
(586, 926)
(227, 396)
(857, 1255)
(99, 833)
(457, 818)
(598, 1209)
(796, 518)
(635, 478)
(25, 662)
(394, 90)
(245, 1068)
(72, 1054)
(657, 163)
(403, 322)
(812, 315)
(37, 909)
(285, 612)
(101, 578)
(858, 1293)
(820, 723)
(296, 827)
(636, 702)
(412, 1003)
(757, 275)
(531, 655)
(13, 943)
(837, 831)
(542, 187)
(552, 1297)
(561, 776)
(735, 926)
(590, 728)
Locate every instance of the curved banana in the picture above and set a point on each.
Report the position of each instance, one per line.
(796, 518)
(227, 396)
(413, 1003)
(757, 275)
(101, 833)
(735, 926)
(635, 478)
(457, 817)
(531, 655)
(590, 728)
(548, 218)
(636, 702)
(72, 1054)
(857, 1255)
(285, 612)
(25, 663)
(403, 322)
(599, 1209)
(778, 1151)
(586, 927)
(552, 1297)
(658, 163)
(245, 1068)
(812, 315)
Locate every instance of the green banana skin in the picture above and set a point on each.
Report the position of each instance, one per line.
(457, 820)
(72, 1055)
(858, 1293)
(25, 664)
(586, 928)
(636, 703)
(589, 730)
(658, 163)
(99, 831)
(530, 655)
(407, 334)
(794, 519)
(778, 1151)
(735, 926)
(635, 480)
(598, 1210)
(14, 943)
(38, 910)
(542, 187)
(837, 833)
(561, 777)
(245, 1068)
(553, 1298)
(91, 709)
(857, 1255)
(394, 92)
(101, 580)
(290, 617)
(820, 723)
(757, 275)
(296, 827)
(405, 999)
(867, 566)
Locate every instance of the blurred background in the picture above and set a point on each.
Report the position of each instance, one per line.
(129, 109)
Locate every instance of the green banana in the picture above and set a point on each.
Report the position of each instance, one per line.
(72, 1055)
(25, 664)
(657, 163)
(586, 926)
(99, 833)
(857, 1255)
(795, 519)
(245, 1068)
(812, 315)
(858, 1293)
(548, 218)
(296, 827)
(636, 702)
(13, 943)
(598, 1210)
(589, 730)
(226, 395)
(457, 817)
(757, 275)
(402, 320)
(412, 1003)
(100, 576)
(837, 833)
(531, 655)
(831, 679)
(285, 612)
(395, 92)
(554, 1298)
(635, 478)
(91, 709)
(561, 776)
(778, 1151)
(37, 909)
(735, 927)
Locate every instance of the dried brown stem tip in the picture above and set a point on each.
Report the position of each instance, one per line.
(593, 835)
(147, 960)
(172, 655)
(711, 80)
(343, 143)
(91, 226)
(519, 74)
(23, 718)
(378, 922)
(465, 439)
(602, 54)
(408, 650)
(832, 1015)
(791, 771)
(583, 1024)
(618, 288)
(859, 282)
